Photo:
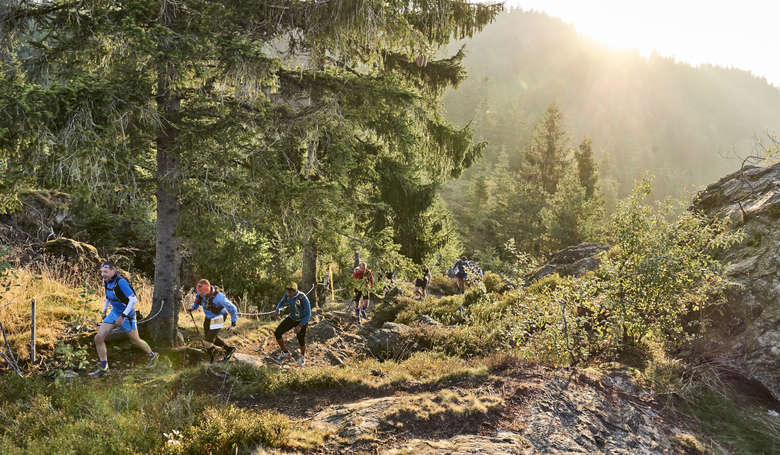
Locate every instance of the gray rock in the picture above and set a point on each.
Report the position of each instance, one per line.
(65, 376)
(562, 417)
(386, 341)
(571, 261)
(321, 331)
(749, 332)
(72, 250)
(248, 359)
(427, 320)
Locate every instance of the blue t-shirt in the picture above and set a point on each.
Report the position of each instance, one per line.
(300, 308)
(117, 306)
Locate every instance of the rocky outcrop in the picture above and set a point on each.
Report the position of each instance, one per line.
(750, 330)
(571, 261)
(72, 250)
(321, 331)
(427, 320)
(385, 342)
(514, 415)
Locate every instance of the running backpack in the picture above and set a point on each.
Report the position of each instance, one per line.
(209, 304)
(118, 291)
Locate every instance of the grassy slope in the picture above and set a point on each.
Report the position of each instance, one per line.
(177, 409)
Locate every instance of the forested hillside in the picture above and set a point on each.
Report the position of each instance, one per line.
(685, 125)
(316, 226)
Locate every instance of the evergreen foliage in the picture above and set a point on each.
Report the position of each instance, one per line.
(210, 106)
(687, 125)
(542, 203)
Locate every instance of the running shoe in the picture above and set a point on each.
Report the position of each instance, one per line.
(229, 353)
(99, 372)
(152, 359)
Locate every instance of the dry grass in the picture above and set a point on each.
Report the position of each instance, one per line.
(69, 300)
(428, 406)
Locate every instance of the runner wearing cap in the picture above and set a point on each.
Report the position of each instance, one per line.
(300, 313)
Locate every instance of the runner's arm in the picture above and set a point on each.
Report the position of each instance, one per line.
(228, 305)
(131, 298)
(306, 310)
(279, 305)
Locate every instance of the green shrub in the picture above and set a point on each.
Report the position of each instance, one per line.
(473, 296)
(459, 341)
(388, 311)
(660, 269)
(493, 282)
(442, 285)
(226, 429)
(445, 310)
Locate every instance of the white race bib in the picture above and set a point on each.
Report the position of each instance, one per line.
(217, 322)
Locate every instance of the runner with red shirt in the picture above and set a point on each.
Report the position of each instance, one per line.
(364, 282)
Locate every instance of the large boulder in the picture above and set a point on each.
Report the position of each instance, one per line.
(572, 261)
(72, 250)
(386, 341)
(749, 332)
(321, 331)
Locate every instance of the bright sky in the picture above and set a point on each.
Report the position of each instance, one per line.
(742, 33)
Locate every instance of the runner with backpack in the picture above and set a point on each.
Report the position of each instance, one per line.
(460, 273)
(421, 284)
(297, 319)
(216, 307)
(364, 283)
(121, 297)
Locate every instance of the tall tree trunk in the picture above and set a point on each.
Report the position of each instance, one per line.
(167, 260)
(309, 268)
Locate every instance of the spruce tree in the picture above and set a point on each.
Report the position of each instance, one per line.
(198, 95)
(587, 171)
(545, 157)
(570, 216)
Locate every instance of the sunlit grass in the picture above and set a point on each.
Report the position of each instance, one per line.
(68, 301)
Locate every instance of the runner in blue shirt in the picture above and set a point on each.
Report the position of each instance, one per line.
(216, 307)
(300, 313)
(122, 299)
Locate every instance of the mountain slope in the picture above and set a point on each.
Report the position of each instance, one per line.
(685, 124)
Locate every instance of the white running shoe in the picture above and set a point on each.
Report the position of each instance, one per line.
(301, 361)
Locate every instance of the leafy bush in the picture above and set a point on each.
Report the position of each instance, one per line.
(493, 282)
(72, 358)
(660, 272)
(660, 269)
(442, 285)
(227, 429)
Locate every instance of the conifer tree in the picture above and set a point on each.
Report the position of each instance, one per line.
(545, 157)
(196, 94)
(570, 216)
(587, 172)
